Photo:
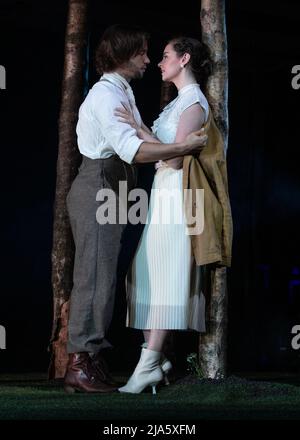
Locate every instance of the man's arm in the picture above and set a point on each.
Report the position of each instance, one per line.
(124, 140)
(152, 152)
(152, 149)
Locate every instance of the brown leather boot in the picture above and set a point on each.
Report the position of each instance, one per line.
(102, 370)
(81, 376)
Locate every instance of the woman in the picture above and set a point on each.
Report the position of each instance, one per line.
(163, 284)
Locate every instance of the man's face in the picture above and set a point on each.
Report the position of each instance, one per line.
(138, 64)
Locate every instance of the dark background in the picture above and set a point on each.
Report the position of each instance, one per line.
(263, 168)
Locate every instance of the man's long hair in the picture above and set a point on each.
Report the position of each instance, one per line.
(117, 45)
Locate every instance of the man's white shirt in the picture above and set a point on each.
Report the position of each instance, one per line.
(99, 133)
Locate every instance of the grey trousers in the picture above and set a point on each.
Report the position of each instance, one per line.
(97, 248)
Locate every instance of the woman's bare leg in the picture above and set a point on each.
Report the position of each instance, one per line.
(156, 339)
(146, 335)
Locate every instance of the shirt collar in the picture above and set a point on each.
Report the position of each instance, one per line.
(117, 79)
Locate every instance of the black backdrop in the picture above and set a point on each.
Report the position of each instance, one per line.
(264, 291)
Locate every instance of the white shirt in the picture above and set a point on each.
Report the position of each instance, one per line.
(99, 133)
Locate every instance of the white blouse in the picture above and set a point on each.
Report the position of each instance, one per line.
(165, 126)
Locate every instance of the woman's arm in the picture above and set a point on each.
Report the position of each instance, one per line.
(152, 152)
(143, 132)
(190, 120)
(147, 136)
(145, 128)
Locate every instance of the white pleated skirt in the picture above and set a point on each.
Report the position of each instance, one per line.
(163, 285)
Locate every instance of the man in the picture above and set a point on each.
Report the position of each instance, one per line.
(109, 148)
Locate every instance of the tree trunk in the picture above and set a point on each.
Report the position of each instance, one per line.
(67, 165)
(213, 344)
(214, 36)
(166, 94)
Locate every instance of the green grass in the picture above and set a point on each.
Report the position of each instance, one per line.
(36, 398)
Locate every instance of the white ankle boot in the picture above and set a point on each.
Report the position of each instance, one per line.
(165, 364)
(147, 373)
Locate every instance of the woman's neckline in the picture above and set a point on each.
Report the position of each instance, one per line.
(187, 87)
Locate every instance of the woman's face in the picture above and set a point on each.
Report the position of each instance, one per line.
(170, 64)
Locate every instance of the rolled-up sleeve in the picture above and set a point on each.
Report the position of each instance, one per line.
(119, 135)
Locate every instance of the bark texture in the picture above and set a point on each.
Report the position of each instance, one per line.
(167, 93)
(67, 166)
(213, 344)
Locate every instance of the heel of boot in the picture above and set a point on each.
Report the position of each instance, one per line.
(166, 379)
(153, 385)
(166, 365)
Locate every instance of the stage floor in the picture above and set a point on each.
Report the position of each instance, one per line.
(257, 397)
